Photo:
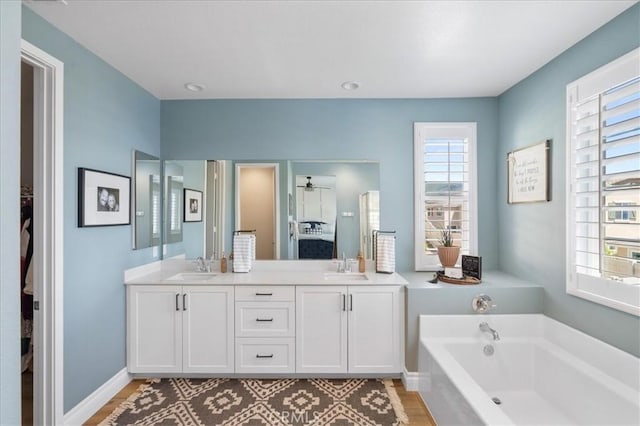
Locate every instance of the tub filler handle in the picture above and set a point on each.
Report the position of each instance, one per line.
(482, 303)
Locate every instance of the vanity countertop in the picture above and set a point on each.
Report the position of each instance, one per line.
(303, 272)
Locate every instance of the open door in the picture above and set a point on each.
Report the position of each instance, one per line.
(257, 206)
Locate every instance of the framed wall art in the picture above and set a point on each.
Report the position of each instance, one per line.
(104, 198)
(192, 205)
(528, 178)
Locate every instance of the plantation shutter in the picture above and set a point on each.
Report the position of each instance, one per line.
(604, 181)
(445, 189)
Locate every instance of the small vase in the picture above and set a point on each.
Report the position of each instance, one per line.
(448, 256)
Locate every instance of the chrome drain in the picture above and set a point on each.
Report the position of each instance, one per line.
(488, 350)
(496, 400)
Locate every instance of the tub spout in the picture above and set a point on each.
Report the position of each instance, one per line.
(485, 327)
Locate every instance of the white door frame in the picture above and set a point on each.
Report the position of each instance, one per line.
(276, 188)
(48, 181)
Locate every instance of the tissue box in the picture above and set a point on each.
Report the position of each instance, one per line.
(453, 272)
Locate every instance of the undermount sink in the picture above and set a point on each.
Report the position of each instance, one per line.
(345, 276)
(192, 276)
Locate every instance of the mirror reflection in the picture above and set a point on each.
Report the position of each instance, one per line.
(342, 209)
(315, 222)
(173, 194)
(146, 201)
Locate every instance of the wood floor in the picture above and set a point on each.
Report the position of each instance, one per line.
(414, 407)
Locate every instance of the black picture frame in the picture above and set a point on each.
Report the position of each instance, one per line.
(104, 199)
(192, 205)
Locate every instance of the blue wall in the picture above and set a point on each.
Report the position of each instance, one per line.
(10, 217)
(379, 130)
(106, 116)
(532, 236)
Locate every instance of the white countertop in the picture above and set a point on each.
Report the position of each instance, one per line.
(280, 272)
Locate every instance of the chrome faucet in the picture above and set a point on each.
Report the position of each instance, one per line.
(200, 264)
(343, 265)
(485, 327)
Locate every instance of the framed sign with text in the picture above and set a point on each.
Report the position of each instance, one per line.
(528, 174)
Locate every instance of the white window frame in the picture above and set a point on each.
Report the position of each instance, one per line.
(611, 293)
(468, 130)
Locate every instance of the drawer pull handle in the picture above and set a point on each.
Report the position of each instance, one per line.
(264, 294)
(264, 356)
(184, 302)
(264, 319)
(177, 298)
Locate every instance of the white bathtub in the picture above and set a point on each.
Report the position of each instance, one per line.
(542, 371)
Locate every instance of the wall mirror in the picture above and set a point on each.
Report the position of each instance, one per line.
(145, 210)
(350, 208)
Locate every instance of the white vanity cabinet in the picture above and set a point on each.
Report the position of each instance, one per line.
(180, 329)
(348, 329)
(265, 329)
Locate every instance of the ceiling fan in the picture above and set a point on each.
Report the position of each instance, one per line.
(310, 186)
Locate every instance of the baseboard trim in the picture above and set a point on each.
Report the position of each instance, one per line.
(410, 380)
(82, 412)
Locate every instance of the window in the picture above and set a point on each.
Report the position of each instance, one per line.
(603, 205)
(445, 189)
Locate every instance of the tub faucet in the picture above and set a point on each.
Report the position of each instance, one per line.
(485, 327)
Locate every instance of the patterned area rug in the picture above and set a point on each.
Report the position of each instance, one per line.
(281, 402)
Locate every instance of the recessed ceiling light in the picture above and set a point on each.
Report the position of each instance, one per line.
(350, 85)
(194, 87)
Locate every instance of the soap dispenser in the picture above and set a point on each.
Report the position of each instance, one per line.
(360, 262)
(223, 263)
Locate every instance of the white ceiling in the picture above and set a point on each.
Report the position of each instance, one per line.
(306, 49)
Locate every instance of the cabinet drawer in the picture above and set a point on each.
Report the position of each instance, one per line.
(265, 319)
(265, 293)
(270, 355)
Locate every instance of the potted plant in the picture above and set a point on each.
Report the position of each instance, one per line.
(447, 252)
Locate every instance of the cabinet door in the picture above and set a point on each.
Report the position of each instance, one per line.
(207, 328)
(375, 316)
(154, 329)
(321, 329)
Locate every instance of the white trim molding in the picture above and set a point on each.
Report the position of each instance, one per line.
(410, 380)
(49, 227)
(86, 408)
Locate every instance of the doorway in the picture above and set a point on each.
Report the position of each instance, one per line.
(47, 221)
(257, 206)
